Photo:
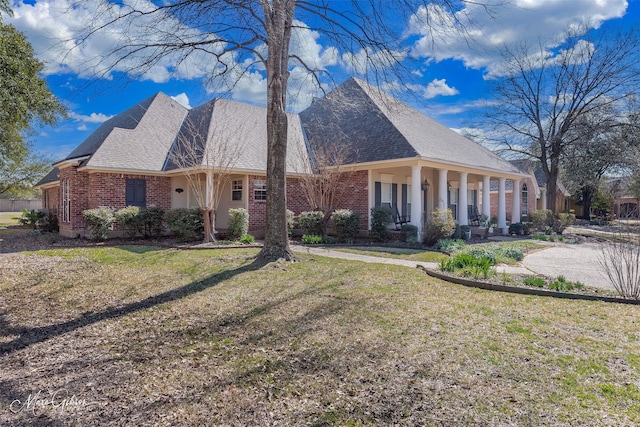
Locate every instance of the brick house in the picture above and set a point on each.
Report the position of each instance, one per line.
(397, 155)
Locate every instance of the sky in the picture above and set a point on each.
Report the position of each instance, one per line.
(452, 75)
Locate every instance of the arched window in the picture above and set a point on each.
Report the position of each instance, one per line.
(524, 205)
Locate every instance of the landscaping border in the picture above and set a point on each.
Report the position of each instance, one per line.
(524, 291)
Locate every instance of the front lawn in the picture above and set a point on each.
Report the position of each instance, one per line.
(147, 336)
(420, 255)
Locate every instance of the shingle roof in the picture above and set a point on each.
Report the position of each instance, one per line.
(52, 176)
(379, 127)
(238, 129)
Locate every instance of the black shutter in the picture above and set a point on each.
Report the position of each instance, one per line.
(378, 191)
(136, 193)
(404, 200)
(394, 195)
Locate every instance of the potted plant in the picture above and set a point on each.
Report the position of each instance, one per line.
(465, 230)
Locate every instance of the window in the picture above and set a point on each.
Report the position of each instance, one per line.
(45, 199)
(136, 193)
(386, 194)
(259, 190)
(236, 190)
(453, 202)
(65, 188)
(524, 203)
(406, 201)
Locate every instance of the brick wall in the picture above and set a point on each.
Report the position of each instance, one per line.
(531, 198)
(78, 195)
(108, 189)
(51, 199)
(356, 196)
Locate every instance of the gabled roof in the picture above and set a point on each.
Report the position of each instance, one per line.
(379, 127)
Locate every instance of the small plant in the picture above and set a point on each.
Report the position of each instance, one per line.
(450, 245)
(311, 222)
(620, 260)
(561, 284)
(441, 226)
(311, 239)
(238, 223)
(187, 224)
(347, 224)
(100, 222)
(247, 239)
(537, 282)
(488, 252)
(130, 220)
(30, 218)
(380, 219)
(511, 252)
(506, 278)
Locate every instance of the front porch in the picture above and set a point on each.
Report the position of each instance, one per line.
(420, 188)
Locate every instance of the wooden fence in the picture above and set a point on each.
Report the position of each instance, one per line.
(7, 205)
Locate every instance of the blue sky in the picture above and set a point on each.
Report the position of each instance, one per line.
(452, 75)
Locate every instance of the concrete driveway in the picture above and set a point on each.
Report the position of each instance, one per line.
(575, 262)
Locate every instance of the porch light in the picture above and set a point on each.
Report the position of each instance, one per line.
(179, 190)
(425, 185)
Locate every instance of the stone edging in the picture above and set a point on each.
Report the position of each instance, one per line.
(525, 291)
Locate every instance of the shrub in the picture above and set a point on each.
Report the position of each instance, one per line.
(441, 226)
(311, 222)
(467, 265)
(100, 221)
(347, 224)
(238, 223)
(380, 219)
(130, 220)
(457, 233)
(450, 245)
(247, 239)
(516, 228)
(291, 219)
(487, 252)
(409, 233)
(561, 221)
(511, 252)
(561, 284)
(152, 221)
(49, 222)
(311, 239)
(537, 282)
(30, 218)
(620, 260)
(464, 231)
(540, 219)
(187, 224)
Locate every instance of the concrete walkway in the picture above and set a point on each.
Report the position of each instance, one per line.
(329, 253)
(577, 262)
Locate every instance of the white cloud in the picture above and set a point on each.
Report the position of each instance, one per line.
(366, 59)
(439, 88)
(182, 99)
(91, 118)
(82, 127)
(477, 38)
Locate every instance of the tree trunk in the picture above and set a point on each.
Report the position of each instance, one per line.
(587, 197)
(279, 15)
(551, 175)
(208, 219)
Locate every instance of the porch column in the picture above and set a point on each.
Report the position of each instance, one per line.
(416, 200)
(442, 189)
(543, 195)
(515, 206)
(486, 196)
(463, 217)
(502, 205)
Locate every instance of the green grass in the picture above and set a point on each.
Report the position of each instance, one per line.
(170, 337)
(399, 253)
(6, 218)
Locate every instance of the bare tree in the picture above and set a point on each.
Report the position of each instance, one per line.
(544, 95)
(325, 177)
(206, 151)
(605, 147)
(228, 37)
(620, 260)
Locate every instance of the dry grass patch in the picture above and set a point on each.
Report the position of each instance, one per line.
(420, 255)
(173, 337)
